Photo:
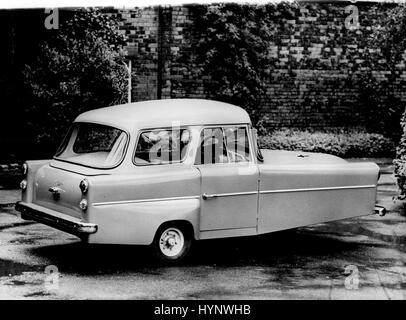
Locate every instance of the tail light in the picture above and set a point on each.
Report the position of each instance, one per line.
(83, 204)
(24, 169)
(84, 186)
(23, 184)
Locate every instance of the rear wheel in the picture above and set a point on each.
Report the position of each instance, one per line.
(172, 243)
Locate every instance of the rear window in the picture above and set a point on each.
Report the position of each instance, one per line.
(93, 145)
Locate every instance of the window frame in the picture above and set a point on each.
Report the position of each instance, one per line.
(70, 130)
(244, 125)
(140, 132)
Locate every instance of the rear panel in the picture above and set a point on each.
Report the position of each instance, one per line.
(67, 184)
(33, 166)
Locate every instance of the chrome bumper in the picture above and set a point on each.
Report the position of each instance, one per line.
(33, 212)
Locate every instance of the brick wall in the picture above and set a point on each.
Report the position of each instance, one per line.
(315, 59)
(141, 28)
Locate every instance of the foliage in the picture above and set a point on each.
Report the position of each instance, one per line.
(344, 144)
(233, 50)
(80, 67)
(387, 45)
(383, 108)
(391, 36)
(393, 43)
(400, 161)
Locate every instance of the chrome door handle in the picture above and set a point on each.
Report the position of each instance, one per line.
(208, 196)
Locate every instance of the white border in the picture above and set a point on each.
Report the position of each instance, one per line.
(111, 3)
(141, 3)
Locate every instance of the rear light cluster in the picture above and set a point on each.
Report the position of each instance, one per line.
(83, 204)
(25, 169)
(23, 183)
(84, 187)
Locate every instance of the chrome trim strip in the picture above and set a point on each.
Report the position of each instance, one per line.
(216, 195)
(227, 229)
(319, 189)
(97, 204)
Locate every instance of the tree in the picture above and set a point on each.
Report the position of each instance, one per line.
(81, 67)
(233, 51)
(378, 96)
(391, 38)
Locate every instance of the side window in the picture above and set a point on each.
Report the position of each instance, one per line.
(161, 146)
(211, 147)
(237, 142)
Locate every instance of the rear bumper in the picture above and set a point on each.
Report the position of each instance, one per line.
(30, 211)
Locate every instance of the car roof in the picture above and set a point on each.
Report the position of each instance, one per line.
(165, 113)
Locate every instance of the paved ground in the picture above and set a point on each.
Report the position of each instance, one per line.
(363, 258)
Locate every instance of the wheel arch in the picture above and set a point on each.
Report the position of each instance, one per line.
(185, 225)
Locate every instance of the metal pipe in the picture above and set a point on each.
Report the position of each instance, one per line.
(129, 80)
(128, 68)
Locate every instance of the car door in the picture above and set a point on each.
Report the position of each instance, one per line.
(229, 181)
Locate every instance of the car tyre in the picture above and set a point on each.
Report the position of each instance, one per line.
(172, 243)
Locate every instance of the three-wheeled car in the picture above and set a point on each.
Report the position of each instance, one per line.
(164, 173)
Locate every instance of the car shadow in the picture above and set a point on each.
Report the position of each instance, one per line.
(265, 250)
(271, 249)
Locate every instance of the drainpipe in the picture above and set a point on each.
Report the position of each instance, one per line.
(129, 80)
(159, 52)
(128, 68)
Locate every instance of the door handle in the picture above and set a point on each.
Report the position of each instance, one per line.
(208, 196)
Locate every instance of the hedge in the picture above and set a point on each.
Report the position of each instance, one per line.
(353, 144)
(400, 161)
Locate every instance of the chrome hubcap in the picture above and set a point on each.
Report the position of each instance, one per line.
(171, 242)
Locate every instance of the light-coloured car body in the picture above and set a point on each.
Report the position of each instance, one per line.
(128, 202)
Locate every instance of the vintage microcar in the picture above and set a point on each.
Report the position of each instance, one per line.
(164, 173)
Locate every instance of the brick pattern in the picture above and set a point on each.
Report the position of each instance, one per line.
(315, 60)
(141, 28)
